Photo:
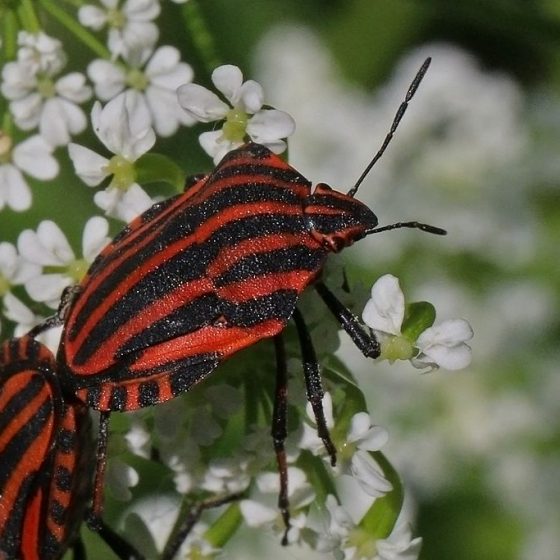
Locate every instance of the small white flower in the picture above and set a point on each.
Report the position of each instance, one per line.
(227, 476)
(41, 52)
(48, 247)
(32, 156)
(244, 115)
(123, 126)
(443, 345)
(151, 78)
(38, 100)
(399, 545)
(130, 26)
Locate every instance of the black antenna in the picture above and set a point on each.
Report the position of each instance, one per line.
(415, 225)
(398, 116)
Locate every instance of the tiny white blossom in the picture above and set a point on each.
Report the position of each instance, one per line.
(48, 247)
(32, 156)
(37, 99)
(244, 115)
(41, 52)
(123, 126)
(151, 78)
(443, 345)
(399, 545)
(130, 26)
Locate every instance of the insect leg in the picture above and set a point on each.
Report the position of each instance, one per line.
(116, 543)
(367, 343)
(193, 515)
(94, 518)
(313, 383)
(279, 430)
(78, 549)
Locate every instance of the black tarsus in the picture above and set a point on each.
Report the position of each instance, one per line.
(366, 343)
(397, 119)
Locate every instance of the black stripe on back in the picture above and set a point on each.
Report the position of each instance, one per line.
(21, 441)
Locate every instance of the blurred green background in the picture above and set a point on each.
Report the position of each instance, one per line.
(477, 154)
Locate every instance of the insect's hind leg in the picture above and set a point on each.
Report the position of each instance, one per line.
(367, 343)
(279, 430)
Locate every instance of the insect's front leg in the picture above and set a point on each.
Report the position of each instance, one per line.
(366, 342)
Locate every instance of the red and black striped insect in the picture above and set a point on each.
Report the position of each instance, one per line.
(42, 485)
(46, 459)
(207, 273)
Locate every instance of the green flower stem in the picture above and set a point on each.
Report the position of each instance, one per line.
(75, 27)
(221, 531)
(28, 17)
(9, 35)
(201, 36)
(381, 517)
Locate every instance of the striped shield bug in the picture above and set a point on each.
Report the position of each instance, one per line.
(46, 459)
(207, 273)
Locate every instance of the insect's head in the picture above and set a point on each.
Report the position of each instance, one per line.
(335, 219)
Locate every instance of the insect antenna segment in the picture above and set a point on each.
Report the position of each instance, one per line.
(398, 116)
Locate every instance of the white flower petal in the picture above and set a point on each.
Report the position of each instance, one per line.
(385, 310)
(367, 436)
(125, 205)
(95, 237)
(73, 87)
(141, 10)
(109, 80)
(369, 475)
(444, 345)
(14, 190)
(228, 80)
(93, 17)
(256, 513)
(60, 120)
(27, 110)
(201, 103)
(47, 246)
(34, 156)
(250, 97)
(89, 166)
(270, 125)
(47, 288)
(15, 310)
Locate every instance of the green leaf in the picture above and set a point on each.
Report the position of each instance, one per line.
(153, 168)
(418, 317)
(382, 515)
